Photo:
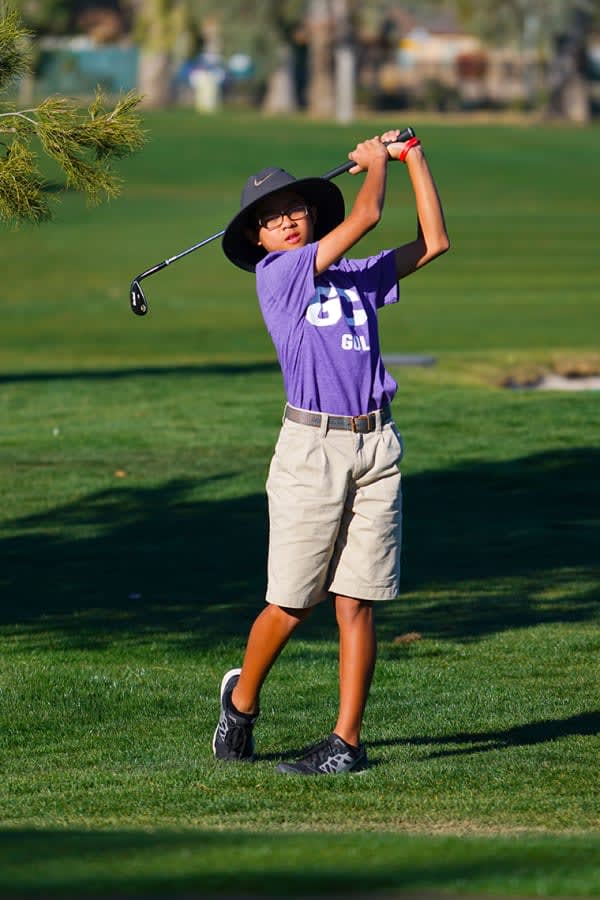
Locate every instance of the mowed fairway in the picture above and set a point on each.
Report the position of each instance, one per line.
(133, 455)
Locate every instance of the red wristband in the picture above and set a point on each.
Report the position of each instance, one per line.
(411, 142)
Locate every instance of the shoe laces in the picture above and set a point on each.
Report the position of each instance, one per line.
(314, 753)
(236, 738)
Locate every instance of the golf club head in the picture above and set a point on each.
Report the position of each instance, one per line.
(136, 298)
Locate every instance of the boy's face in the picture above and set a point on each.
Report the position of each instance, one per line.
(284, 221)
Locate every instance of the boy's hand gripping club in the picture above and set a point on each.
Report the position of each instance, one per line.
(138, 302)
(404, 135)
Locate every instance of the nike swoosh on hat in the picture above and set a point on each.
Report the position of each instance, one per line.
(262, 180)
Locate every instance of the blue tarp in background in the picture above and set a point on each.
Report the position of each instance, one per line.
(78, 71)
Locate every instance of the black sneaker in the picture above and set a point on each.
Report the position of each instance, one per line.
(233, 735)
(330, 757)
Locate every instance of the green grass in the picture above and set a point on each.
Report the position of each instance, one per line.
(132, 465)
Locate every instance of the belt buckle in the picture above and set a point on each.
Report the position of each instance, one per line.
(355, 419)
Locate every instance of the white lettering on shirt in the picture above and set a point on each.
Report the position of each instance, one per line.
(325, 308)
(354, 342)
(324, 312)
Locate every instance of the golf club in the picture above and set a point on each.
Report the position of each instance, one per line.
(139, 304)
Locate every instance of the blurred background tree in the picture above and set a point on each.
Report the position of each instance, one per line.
(554, 30)
(310, 54)
(47, 16)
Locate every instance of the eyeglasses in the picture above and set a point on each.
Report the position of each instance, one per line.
(274, 220)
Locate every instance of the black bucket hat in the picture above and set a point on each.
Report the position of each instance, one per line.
(318, 192)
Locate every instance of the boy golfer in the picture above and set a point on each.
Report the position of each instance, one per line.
(334, 484)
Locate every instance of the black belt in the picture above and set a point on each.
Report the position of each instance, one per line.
(357, 424)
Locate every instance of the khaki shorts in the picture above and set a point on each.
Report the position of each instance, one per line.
(335, 515)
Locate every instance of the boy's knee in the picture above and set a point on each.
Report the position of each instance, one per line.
(289, 616)
(351, 609)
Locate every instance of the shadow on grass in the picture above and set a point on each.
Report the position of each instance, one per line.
(495, 540)
(534, 521)
(248, 368)
(139, 560)
(125, 863)
(583, 724)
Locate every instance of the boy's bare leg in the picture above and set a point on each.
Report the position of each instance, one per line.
(358, 650)
(268, 636)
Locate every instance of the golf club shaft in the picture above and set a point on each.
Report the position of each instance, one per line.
(137, 300)
(177, 256)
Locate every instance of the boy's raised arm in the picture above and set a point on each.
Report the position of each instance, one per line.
(366, 211)
(432, 238)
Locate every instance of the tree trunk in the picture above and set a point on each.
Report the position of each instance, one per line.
(154, 78)
(344, 63)
(344, 83)
(321, 101)
(568, 90)
(281, 89)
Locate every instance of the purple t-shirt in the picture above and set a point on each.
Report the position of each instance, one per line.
(324, 328)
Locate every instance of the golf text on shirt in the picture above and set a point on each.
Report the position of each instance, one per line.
(325, 330)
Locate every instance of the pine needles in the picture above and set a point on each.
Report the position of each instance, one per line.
(83, 143)
(14, 58)
(21, 186)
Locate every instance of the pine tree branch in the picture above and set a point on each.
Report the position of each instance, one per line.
(21, 115)
(85, 144)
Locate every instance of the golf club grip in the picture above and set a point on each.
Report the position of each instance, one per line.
(404, 135)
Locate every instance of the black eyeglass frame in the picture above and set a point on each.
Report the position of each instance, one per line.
(278, 217)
